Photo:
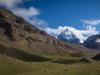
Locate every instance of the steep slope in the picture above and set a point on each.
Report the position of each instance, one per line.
(20, 33)
(93, 42)
(69, 36)
(17, 34)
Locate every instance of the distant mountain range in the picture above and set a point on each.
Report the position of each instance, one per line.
(92, 42)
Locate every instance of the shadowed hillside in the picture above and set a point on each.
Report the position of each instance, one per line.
(21, 55)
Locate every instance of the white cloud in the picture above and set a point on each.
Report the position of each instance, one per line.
(87, 33)
(91, 22)
(39, 23)
(30, 16)
(10, 3)
(89, 27)
(55, 31)
(26, 13)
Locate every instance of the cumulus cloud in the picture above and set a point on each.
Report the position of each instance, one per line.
(10, 3)
(26, 13)
(55, 31)
(90, 24)
(39, 23)
(29, 15)
(89, 27)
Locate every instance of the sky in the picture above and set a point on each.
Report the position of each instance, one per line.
(54, 16)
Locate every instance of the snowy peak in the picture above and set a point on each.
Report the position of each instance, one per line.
(68, 36)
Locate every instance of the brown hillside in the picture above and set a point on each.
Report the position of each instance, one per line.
(15, 32)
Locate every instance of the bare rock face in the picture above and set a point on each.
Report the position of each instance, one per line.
(7, 29)
(17, 33)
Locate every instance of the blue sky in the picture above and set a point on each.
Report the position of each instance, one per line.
(66, 12)
(53, 16)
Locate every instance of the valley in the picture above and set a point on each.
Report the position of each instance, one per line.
(26, 50)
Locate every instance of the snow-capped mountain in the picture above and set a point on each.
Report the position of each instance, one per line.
(93, 42)
(68, 36)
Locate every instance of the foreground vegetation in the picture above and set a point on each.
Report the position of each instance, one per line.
(11, 66)
(22, 62)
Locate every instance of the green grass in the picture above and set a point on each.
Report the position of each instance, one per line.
(11, 66)
(18, 62)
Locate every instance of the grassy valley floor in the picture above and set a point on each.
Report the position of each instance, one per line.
(10, 66)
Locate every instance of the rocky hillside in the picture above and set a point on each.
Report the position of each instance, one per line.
(15, 32)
